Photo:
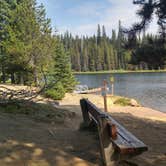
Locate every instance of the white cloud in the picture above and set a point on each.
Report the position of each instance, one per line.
(88, 9)
(122, 10)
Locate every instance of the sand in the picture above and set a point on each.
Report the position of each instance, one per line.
(147, 124)
(24, 141)
(139, 112)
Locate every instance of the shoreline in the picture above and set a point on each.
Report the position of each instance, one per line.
(120, 72)
(72, 99)
(137, 111)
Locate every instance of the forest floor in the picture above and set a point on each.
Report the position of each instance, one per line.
(26, 140)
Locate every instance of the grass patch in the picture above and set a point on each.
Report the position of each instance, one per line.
(120, 72)
(123, 102)
(40, 112)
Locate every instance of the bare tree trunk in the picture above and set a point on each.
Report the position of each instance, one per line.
(12, 78)
(21, 78)
(36, 81)
(3, 75)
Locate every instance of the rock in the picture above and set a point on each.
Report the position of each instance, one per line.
(134, 103)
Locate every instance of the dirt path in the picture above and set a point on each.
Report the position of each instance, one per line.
(26, 142)
(147, 124)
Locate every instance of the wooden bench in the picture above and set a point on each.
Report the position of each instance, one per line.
(116, 143)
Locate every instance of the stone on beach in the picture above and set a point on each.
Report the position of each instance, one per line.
(134, 103)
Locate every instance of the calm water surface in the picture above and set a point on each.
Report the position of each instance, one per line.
(148, 88)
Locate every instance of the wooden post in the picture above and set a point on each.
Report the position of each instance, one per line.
(108, 154)
(85, 113)
(112, 84)
(112, 87)
(104, 94)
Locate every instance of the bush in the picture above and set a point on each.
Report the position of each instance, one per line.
(57, 92)
(123, 102)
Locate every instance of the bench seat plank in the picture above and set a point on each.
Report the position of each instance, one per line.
(125, 140)
(113, 147)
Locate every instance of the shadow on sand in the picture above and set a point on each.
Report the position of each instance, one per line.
(26, 142)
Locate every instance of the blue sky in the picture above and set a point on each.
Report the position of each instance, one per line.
(81, 17)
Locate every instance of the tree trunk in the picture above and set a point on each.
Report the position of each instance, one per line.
(36, 81)
(3, 75)
(12, 78)
(21, 79)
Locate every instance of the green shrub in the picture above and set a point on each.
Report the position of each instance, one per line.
(123, 102)
(57, 92)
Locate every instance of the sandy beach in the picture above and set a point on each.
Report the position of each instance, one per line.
(139, 112)
(29, 142)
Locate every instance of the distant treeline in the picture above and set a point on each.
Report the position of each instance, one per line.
(101, 52)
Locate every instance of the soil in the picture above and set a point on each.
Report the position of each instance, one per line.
(27, 142)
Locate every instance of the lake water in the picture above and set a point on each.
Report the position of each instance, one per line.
(147, 88)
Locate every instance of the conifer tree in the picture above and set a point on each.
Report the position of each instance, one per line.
(28, 50)
(5, 14)
(98, 35)
(61, 71)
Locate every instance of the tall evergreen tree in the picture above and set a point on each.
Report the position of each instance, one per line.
(98, 34)
(28, 50)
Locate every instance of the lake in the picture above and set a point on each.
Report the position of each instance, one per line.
(147, 88)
